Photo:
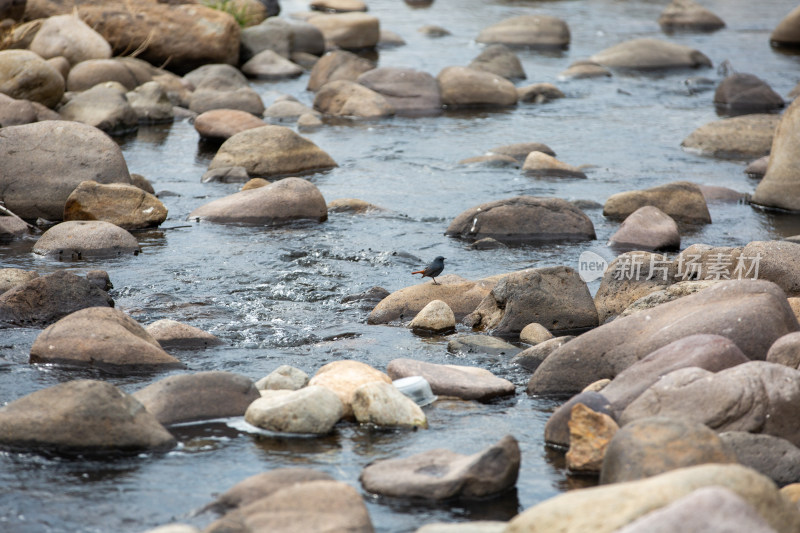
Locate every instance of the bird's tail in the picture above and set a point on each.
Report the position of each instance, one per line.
(419, 272)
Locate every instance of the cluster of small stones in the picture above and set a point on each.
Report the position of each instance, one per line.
(657, 368)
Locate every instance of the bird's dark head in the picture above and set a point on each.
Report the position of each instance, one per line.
(439, 258)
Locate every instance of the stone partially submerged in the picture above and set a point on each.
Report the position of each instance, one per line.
(100, 337)
(523, 219)
(86, 417)
(81, 239)
(41, 300)
(681, 200)
(461, 295)
(528, 31)
(743, 137)
(198, 396)
(650, 54)
(555, 297)
(442, 474)
(319, 505)
(271, 151)
(279, 202)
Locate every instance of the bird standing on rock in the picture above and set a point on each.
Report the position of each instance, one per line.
(433, 269)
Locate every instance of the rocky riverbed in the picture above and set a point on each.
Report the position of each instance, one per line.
(207, 292)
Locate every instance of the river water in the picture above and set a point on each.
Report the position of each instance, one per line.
(273, 294)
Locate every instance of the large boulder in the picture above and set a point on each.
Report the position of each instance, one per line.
(745, 93)
(469, 87)
(780, 186)
(123, 205)
(182, 36)
(26, 76)
(647, 228)
(523, 219)
(607, 508)
(68, 36)
(541, 164)
(198, 396)
(322, 506)
(342, 98)
(465, 382)
(279, 202)
(350, 31)
(756, 396)
(743, 137)
(461, 295)
(408, 91)
(345, 376)
(528, 31)
(83, 417)
(442, 474)
(337, 65)
(81, 239)
(681, 200)
(709, 352)
(271, 151)
(650, 54)
(608, 350)
(688, 15)
(43, 162)
(555, 297)
(654, 445)
(312, 410)
(100, 337)
(41, 300)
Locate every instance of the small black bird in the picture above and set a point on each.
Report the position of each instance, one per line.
(433, 269)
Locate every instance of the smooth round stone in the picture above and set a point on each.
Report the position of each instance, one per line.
(123, 205)
(312, 409)
(541, 164)
(279, 202)
(529, 31)
(83, 239)
(383, 405)
(69, 37)
(81, 416)
(436, 317)
(650, 54)
(24, 75)
(225, 123)
(268, 65)
(534, 333)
